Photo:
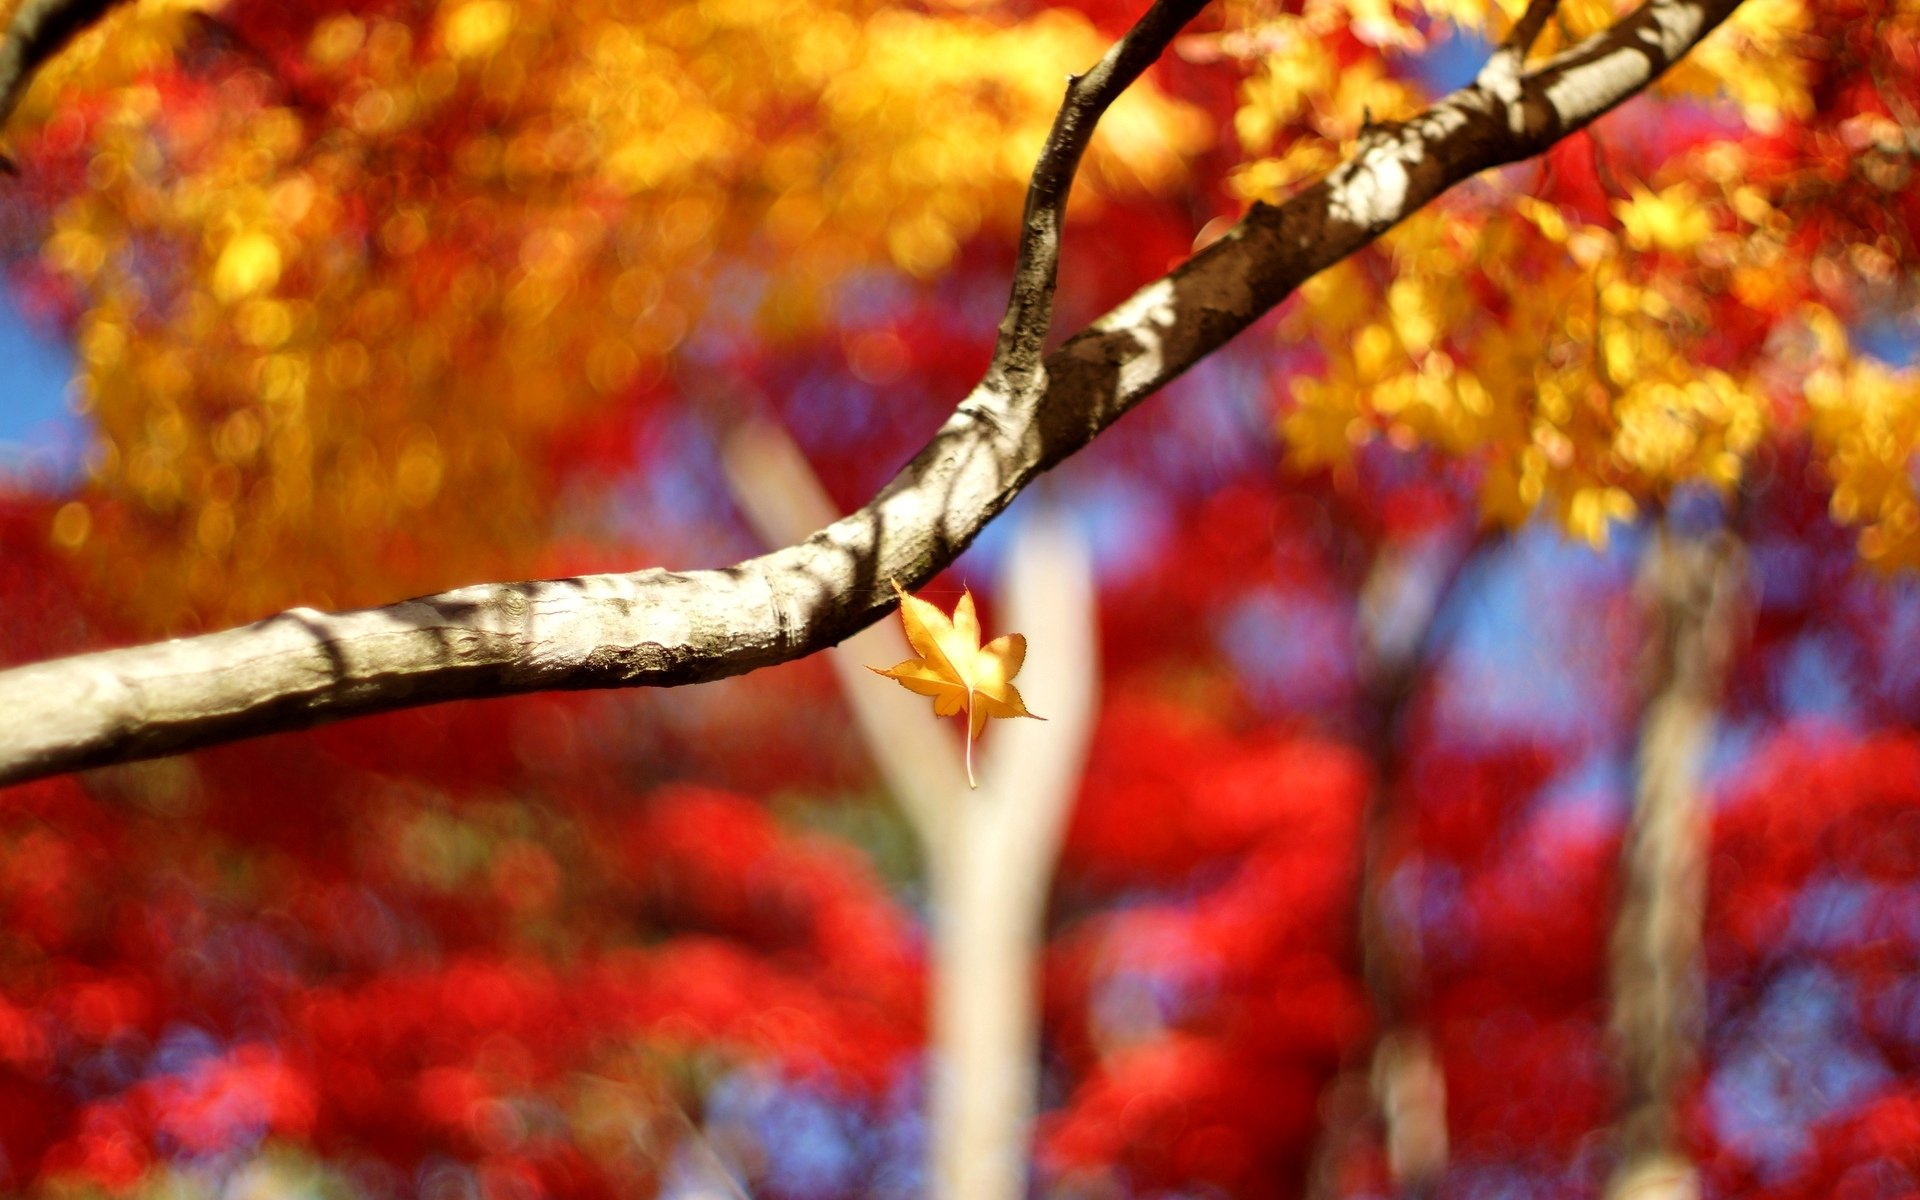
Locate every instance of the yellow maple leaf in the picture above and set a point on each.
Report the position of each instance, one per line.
(955, 669)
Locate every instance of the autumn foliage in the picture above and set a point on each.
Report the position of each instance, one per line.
(367, 299)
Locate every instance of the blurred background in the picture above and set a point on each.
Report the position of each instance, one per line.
(1481, 758)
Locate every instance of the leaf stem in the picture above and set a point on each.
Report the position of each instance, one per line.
(970, 779)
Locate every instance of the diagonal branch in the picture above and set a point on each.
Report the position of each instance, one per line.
(1016, 365)
(782, 500)
(664, 628)
(38, 31)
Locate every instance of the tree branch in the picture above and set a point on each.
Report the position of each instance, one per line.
(37, 32)
(1527, 29)
(663, 628)
(1016, 366)
(782, 499)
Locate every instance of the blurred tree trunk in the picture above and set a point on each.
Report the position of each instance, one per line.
(990, 852)
(1692, 588)
(1399, 1092)
(993, 864)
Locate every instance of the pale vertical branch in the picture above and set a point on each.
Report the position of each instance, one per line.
(990, 852)
(1693, 589)
(1405, 1079)
(709, 1176)
(1410, 1087)
(993, 873)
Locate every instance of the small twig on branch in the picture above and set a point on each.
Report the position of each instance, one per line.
(1527, 29)
(1016, 366)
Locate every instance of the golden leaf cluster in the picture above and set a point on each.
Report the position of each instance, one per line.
(328, 307)
(323, 309)
(1577, 358)
(1544, 349)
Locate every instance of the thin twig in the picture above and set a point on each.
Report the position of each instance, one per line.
(1016, 367)
(1527, 29)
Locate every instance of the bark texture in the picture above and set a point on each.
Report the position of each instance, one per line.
(1693, 588)
(662, 628)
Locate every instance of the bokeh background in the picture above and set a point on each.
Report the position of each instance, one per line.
(1498, 776)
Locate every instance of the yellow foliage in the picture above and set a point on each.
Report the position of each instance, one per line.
(248, 264)
(1674, 220)
(1749, 62)
(1270, 179)
(475, 28)
(376, 316)
(508, 214)
(1296, 99)
(1576, 406)
(130, 40)
(1574, 360)
(1866, 425)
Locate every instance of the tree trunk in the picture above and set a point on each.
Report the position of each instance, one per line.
(992, 871)
(1399, 1092)
(1692, 587)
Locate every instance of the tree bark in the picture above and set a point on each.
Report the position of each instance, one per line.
(1693, 589)
(663, 628)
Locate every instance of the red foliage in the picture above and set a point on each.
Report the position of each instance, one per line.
(1204, 792)
(1189, 1111)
